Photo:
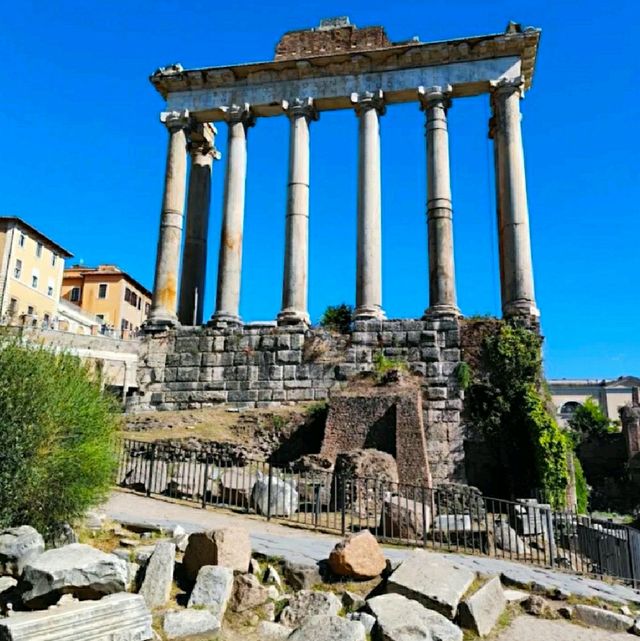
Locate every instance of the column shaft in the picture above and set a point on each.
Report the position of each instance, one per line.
(165, 288)
(516, 268)
(296, 259)
(369, 238)
(442, 282)
(230, 256)
(194, 260)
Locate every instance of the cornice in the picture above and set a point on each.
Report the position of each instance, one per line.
(523, 44)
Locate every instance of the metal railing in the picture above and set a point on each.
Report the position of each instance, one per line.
(449, 518)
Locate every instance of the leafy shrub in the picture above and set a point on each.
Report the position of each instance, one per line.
(463, 375)
(382, 364)
(338, 318)
(58, 436)
(582, 489)
(506, 405)
(589, 419)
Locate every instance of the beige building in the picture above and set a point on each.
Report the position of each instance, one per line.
(30, 273)
(611, 395)
(119, 301)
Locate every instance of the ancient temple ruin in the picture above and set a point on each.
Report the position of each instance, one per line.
(188, 364)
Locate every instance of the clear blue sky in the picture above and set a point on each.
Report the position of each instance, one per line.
(82, 156)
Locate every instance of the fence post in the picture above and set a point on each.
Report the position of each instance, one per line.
(343, 507)
(424, 519)
(632, 568)
(551, 537)
(270, 477)
(205, 482)
(151, 465)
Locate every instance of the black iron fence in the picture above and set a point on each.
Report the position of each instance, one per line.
(452, 518)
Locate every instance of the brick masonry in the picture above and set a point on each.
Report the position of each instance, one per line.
(263, 366)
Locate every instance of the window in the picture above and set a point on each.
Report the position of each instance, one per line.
(30, 310)
(53, 259)
(124, 324)
(17, 272)
(34, 281)
(46, 319)
(100, 317)
(50, 290)
(569, 408)
(134, 299)
(21, 240)
(102, 290)
(127, 294)
(74, 297)
(139, 302)
(38, 249)
(13, 307)
(147, 309)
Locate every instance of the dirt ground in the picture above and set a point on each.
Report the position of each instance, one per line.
(528, 628)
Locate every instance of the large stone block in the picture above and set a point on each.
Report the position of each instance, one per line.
(230, 547)
(307, 603)
(212, 590)
(480, 612)
(600, 618)
(119, 617)
(357, 556)
(406, 518)
(281, 499)
(436, 583)
(401, 619)
(78, 569)
(180, 624)
(248, 593)
(329, 628)
(158, 576)
(19, 546)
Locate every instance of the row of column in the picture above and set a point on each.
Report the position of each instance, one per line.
(513, 220)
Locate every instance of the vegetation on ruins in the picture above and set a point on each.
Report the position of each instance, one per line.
(506, 404)
(383, 364)
(590, 420)
(58, 430)
(337, 318)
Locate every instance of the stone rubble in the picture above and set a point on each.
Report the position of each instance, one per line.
(230, 547)
(158, 576)
(433, 582)
(281, 500)
(306, 603)
(480, 611)
(324, 627)
(248, 593)
(402, 619)
(178, 624)
(357, 556)
(78, 569)
(212, 590)
(600, 618)
(19, 546)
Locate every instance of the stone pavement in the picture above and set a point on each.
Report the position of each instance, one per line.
(307, 546)
(528, 628)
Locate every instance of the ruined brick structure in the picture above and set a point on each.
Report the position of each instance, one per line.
(261, 366)
(332, 36)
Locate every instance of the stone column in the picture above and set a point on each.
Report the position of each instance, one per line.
(516, 271)
(296, 258)
(239, 118)
(165, 289)
(442, 279)
(369, 106)
(194, 259)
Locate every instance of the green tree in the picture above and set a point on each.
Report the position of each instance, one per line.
(589, 419)
(58, 438)
(338, 318)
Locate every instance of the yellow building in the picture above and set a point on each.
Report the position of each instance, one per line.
(30, 273)
(107, 292)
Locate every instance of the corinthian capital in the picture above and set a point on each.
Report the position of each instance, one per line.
(435, 96)
(239, 113)
(299, 107)
(175, 120)
(368, 100)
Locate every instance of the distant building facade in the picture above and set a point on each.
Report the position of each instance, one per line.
(611, 395)
(31, 273)
(116, 299)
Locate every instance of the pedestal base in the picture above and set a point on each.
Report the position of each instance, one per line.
(293, 317)
(369, 312)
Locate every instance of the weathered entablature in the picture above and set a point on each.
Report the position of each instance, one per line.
(342, 68)
(469, 65)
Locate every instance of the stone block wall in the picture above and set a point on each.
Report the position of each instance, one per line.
(263, 366)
